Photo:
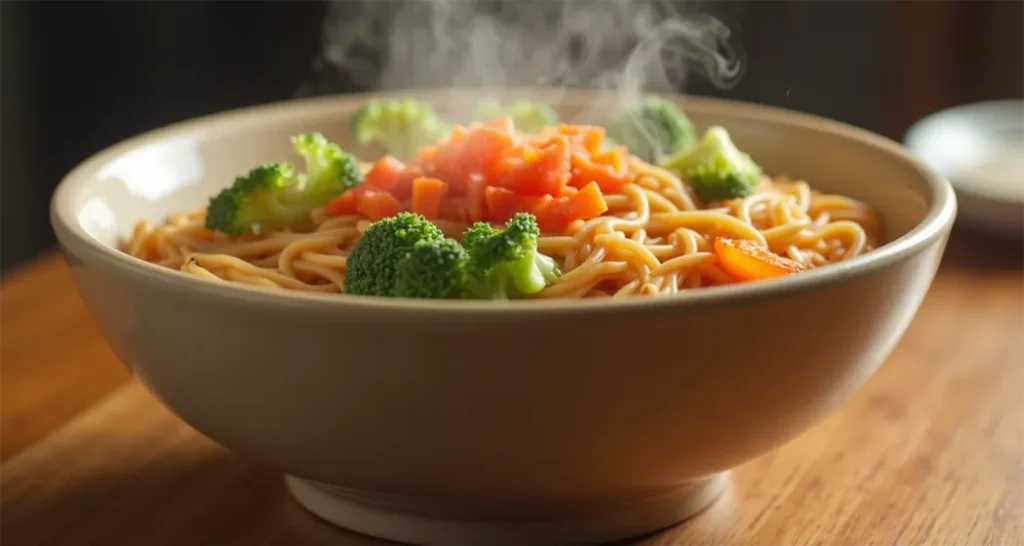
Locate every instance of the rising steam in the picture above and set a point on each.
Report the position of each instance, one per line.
(627, 46)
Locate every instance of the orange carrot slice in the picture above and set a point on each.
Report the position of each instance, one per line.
(475, 205)
(745, 260)
(585, 204)
(427, 196)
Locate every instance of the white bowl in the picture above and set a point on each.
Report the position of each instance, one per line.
(980, 149)
(562, 421)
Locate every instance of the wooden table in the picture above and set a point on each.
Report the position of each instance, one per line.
(930, 451)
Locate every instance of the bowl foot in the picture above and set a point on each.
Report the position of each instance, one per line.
(629, 518)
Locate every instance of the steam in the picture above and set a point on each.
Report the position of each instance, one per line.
(631, 47)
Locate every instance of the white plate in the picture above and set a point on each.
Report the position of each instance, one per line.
(979, 148)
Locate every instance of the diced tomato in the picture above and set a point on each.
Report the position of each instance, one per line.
(473, 154)
(427, 196)
(459, 133)
(543, 136)
(376, 204)
(543, 204)
(427, 158)
(391, 175)
(585, 171)
(503, 124)
(454, 209)
(475, 205)
(384, 172)
(543, 171)
(447, 165)
(344, 203)
(485, 148)
(583, 205)
(489, 172)
(502, 204)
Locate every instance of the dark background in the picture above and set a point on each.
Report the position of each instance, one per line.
(79, 76)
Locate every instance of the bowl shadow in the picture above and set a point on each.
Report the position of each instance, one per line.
(969, 250)
(213, 498)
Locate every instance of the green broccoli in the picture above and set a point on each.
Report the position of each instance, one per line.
(371, 268)
(528, 116)
(505, 263)
(328, 168)
(651, 129)
(716, 168)
(434, 269)
(273, 196)
(402, 126)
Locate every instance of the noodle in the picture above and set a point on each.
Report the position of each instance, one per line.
(654, 239)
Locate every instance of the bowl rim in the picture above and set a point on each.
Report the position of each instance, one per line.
(923, 128)
(74, 239)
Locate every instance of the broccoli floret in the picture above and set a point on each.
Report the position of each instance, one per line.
(273, 195)
(651, 129)
(402, 126)
(475, 236)
(716, 168)
(252, 202)
(432, 269)
(329, 170)
(528, 116)
(371, 267)
(407, 256)
(505, 263)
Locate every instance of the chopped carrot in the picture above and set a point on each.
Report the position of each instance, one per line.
(614, 157)
(584, 138)
(502, 204)
(376, 204)
(475, 205)
(427, 195)
(489, 171)
(586, 170)
(606, 168)
(585, 204)
(588, 202)
(745, 260)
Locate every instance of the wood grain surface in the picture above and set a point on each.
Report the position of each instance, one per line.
(930, 451)
(53, 361)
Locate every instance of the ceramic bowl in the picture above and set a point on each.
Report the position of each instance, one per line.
(478, 422)
(979, 148)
